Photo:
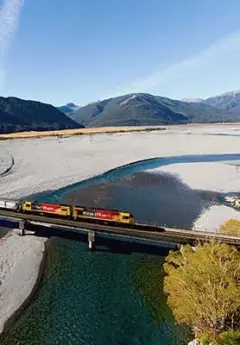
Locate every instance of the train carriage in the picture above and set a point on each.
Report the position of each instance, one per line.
(81, 213)
(46, 208)
(9, 204)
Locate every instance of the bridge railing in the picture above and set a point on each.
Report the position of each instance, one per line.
(199, 229)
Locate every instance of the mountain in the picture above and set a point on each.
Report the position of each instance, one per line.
(229, 102)
(142, 109)
(68, 108)
(128, 110)
(192, 100)
(136, 109)
(22, 115)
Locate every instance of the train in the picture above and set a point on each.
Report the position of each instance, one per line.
(76, 213)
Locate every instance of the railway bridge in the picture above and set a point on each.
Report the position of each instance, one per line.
(138, 231)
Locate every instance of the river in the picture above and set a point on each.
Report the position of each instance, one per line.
(113, 296)
(98, 298)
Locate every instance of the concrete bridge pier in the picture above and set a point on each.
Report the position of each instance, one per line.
(91, 240)
(22, 224)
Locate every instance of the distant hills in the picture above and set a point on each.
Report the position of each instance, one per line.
(229, 102)
(22, 115)
(140, 109)
(192, 100)
(68, 108)
(136, 109)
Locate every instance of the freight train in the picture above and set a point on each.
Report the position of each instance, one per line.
(77, 213)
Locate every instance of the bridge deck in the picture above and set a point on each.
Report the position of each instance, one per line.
(179, 236)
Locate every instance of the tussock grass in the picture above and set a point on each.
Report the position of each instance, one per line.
(78, 131)
(104, 130)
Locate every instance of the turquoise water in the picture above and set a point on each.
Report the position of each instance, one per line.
(6, 226)
(115, 174)
(98, 298)
(108, 297)
(234, 132)
(3, 232)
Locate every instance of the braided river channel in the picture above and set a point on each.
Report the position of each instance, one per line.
(114, 295)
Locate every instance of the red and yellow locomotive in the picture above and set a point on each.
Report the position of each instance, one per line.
(80, 213)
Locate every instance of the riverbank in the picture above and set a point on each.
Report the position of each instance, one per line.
(21, 264)
(53, 163)
(103, 130)
(82, 131)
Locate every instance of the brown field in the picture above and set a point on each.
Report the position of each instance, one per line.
(81, 131)
(84, 131)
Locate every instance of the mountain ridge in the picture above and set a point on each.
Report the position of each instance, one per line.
(146, 109)
(228, 101)
(17, 115)
(135, 109)
(68, 108)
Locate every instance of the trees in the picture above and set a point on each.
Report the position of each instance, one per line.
(231, 227)
(203, 288)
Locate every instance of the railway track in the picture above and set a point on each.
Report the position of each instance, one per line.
(180, 236)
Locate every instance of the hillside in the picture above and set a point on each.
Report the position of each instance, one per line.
(128, 110)
(229, 102)
(140, 109)
(68, 108)
(143, 109)
(192, 100)
(22, 115)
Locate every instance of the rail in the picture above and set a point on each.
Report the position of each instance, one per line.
(180, 236)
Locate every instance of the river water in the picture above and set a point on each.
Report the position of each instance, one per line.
(113, 296)
(98, 298)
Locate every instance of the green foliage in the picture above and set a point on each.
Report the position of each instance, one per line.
(203, 287)
(229, 338)
(204, 340)
(231, 227)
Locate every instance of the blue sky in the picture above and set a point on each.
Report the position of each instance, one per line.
(59, 51)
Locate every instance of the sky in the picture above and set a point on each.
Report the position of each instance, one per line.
(81, 51)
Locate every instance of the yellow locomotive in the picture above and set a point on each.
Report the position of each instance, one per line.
(45, 208)
(76, 212)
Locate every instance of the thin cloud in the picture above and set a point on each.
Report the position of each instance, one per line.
(225, 49)
(9, 18)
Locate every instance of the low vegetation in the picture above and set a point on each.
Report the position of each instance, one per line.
(81, 131)
(203, 290)
(231, 227)
(98, 130)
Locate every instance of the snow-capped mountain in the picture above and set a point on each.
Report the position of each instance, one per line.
(229, 101)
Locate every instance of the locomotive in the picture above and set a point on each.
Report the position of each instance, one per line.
(75, 213)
